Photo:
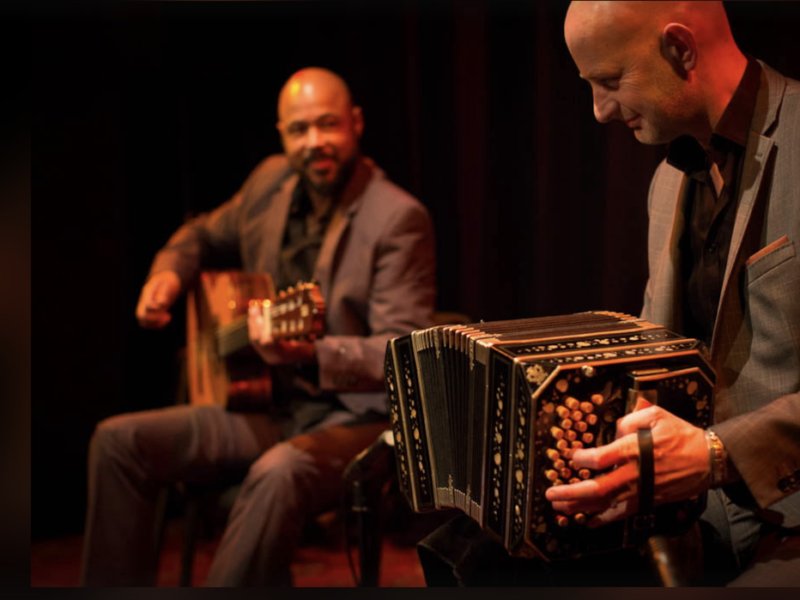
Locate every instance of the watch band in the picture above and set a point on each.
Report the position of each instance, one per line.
(718, 459)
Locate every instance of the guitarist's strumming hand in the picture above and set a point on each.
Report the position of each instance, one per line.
(158, 295)
(276, 351)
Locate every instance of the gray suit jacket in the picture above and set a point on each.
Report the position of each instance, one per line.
(376, 266)
(756, 340)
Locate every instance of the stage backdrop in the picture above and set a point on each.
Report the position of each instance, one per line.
(147, 113)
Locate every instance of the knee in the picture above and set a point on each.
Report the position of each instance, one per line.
(118, 441)
(282, 467)
(109, 440)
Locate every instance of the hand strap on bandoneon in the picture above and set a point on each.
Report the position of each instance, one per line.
(644, 521)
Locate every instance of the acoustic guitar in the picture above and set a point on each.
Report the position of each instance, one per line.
(222, 367)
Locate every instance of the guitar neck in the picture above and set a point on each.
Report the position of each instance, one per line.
(298, 313)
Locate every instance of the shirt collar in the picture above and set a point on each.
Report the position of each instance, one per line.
(301, 208)
(301, 204)
(686, 153)
(734, 124)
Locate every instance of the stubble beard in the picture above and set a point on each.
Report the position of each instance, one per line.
(332, 187)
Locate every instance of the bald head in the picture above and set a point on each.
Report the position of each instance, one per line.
(627, 21)
(320, 129)
(313, 84)
(663, 68)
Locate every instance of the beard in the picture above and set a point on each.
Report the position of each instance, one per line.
(327, 186)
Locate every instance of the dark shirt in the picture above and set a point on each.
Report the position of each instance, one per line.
(297, 386)
(302, 240)
(712, 198)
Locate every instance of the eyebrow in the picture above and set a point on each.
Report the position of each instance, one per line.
(599, 76)
(326, 115)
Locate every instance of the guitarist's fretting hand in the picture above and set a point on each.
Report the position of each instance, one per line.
(158, 295)
(274, 351)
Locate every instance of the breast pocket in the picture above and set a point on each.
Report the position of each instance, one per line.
(770, 257)
(772, 303)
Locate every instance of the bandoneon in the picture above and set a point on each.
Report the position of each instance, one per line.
(485, 418)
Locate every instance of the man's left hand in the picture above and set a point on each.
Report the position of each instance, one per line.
(275, 351)
(681, 460)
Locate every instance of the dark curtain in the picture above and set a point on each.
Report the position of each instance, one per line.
(146, 113)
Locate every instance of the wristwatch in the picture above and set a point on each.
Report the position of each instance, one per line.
(718, 459)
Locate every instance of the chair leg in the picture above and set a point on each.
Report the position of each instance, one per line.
(366, 506)
(190, 526)
(162, 503)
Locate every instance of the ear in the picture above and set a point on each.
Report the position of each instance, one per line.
(358, 120)
(679, 48)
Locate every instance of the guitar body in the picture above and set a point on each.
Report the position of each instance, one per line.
(239, 380)
(222, 366)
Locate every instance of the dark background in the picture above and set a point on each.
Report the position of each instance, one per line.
(143, 114)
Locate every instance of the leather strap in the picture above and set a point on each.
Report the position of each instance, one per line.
(646, 471)
(644, 520)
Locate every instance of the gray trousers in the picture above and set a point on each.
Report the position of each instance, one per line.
(132, 457)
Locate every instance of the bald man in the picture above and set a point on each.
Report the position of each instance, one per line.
(724, 226)
(320, 211)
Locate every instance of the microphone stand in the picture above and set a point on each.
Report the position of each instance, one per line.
(364, 478)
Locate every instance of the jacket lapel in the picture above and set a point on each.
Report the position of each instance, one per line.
(274, 224)
(323, 271)
(667, 278)
(346, 208)
(756, 158)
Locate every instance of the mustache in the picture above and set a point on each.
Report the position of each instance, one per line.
(318, 154)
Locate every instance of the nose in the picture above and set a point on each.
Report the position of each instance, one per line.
(312, 137)
(605, 107)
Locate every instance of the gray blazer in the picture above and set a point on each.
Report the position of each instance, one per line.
(376, 266)
(755, 345)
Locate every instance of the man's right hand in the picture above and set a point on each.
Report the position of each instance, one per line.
(158, 295)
